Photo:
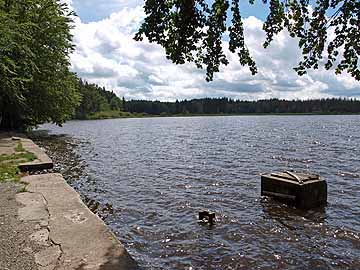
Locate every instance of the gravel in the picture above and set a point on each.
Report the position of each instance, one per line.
(16, 249)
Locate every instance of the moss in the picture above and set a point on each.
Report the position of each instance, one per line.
(19, 147)
(17, 156)
(9, 170)
(21, 189)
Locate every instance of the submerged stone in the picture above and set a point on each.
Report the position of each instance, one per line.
(300, 189)
(207, 217)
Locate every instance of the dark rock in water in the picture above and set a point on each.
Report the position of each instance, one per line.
(207, 217)
(108, 208)
(303, 190)
(93, 206)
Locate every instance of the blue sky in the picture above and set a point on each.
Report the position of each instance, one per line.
(90, 10)
(106, 54)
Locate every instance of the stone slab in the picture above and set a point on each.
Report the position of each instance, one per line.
(34, 207)
(83, 238)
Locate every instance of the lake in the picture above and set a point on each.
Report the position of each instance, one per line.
(148, 179)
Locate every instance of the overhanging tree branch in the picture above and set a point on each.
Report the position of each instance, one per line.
(193, 31)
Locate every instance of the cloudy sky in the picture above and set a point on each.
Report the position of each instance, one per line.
(106, 54)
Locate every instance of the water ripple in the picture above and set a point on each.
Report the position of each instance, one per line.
(151, 177)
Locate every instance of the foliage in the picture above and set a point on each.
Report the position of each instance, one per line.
(96, 99)
(36, 85)
(19, 147)
(192, 31)
(214, 106)
(114, 114)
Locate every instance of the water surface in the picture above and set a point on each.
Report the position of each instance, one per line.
(148, 178)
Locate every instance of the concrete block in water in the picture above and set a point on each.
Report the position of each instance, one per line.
(207, 217)
(303, 190)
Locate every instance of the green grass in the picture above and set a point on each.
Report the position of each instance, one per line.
(113, 114)
(9, 170)
(23, 155)
(19, 148)
(21, 189)
(120, 114)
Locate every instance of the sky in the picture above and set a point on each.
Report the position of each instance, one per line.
(106, 54)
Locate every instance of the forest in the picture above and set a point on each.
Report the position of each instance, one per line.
(211, 106)
(97, 102)
(96, 99)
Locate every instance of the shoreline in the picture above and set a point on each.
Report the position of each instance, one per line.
(62, 232)
(138, 116)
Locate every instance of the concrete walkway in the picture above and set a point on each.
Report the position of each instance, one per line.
(8, 142)
(67, 235)
(42, 161)
(73, 237)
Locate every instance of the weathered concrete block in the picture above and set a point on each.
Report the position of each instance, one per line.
(303, 190)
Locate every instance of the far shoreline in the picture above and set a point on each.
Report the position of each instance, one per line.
(141, 115)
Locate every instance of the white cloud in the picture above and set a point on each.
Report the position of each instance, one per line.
(94, 10)
(107, 54)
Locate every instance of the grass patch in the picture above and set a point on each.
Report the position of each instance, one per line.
(19, 147)
(113, 114)
(9, 170)
(24, 155)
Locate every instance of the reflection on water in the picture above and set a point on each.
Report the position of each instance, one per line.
(149, 178)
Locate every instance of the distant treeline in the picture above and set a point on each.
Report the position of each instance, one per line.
(96, 99)
(97, 102)
(230, 106)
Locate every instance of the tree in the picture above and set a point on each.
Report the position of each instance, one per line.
(36, 85)
(115, 104)
(229, 106)
(192, 31)
(96, 99)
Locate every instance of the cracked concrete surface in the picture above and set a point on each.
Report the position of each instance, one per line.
(34, 209)
(41, 237)
(48, 257)
(77, 239)
(49, 227)
(16, 248)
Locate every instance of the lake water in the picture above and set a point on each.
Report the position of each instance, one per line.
(149, 178)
